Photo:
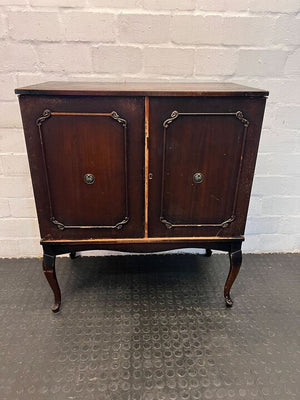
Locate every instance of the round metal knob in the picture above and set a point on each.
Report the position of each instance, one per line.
(89, 179)
(198, 177)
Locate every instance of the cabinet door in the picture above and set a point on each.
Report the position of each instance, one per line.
(202, 156)
(86, 158)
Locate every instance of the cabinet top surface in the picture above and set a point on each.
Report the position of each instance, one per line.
(140, 89)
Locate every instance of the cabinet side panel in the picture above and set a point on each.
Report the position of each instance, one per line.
(254, 109)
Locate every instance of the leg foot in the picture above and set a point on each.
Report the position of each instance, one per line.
(235, 256)
(73, 255)
(208, 252)
(49, 271)
(228, 301)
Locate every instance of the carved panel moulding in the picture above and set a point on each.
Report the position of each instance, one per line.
(114, 115)
(166, 123)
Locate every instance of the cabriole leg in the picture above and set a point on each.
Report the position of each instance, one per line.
(235, 256)
(49, 271)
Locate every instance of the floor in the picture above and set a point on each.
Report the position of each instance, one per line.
(151, 327)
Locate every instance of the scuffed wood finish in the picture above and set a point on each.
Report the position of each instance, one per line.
(146, 167)
(211, 140)
(143, 143)
(235, 256)
(82, 137)
(141, 89)
(50, 274)
(138, 246)
(146, 240)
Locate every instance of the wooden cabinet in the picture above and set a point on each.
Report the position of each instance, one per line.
(141, 167)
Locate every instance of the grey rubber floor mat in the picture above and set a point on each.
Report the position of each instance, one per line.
(150, 327)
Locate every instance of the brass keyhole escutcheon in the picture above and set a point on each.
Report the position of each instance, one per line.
(198, 177)
(89, 179)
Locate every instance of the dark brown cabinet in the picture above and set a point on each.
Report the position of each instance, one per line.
(141, 167)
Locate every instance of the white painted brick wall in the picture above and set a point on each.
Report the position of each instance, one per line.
(89, 26)
(261, 62)
(116, 59)
(251, 42)
(168, 61)
(64, 58)
(137, 28)
(169, 5)
(208, 61)
(39, 26)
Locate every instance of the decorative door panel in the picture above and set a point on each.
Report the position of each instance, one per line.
(87, 186)
(196, 157)
(89, 158)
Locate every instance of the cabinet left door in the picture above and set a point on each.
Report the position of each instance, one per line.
(86, 156)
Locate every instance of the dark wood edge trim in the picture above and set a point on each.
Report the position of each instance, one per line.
(45, 115)
(149, 93)
(56, 248)
(146, 167)
(113, 114)
(174, 115)
(144, 240)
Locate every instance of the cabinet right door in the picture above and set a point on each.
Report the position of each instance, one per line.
(202, 156)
